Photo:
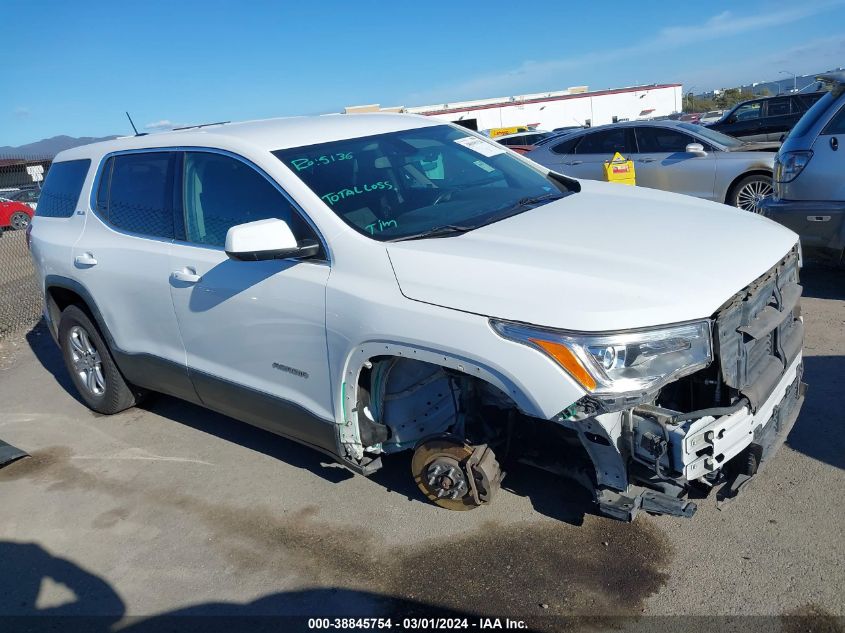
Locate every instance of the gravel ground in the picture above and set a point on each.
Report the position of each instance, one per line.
(170, 509)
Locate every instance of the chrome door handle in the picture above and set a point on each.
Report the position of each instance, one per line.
(646, 160)
(86, 259)
(187, 275)
(575, 162)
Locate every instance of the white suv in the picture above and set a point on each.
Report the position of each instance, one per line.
(378, 283)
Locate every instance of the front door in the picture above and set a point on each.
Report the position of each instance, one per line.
(662, 162)
(254, 332)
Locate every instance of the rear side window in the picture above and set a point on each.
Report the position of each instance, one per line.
(221, 192)
(605, 142)
(778, 107)
(661, 140)
(139, 195)
(62, 188)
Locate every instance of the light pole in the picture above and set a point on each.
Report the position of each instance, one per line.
(794, 79)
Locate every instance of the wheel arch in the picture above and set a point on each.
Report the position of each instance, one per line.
(61, 292)
(757, 171)
(364, 354)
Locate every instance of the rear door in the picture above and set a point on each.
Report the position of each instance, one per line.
(254, 331)
(122, 260)
(594, 149)
(778, 118)
(662, 162)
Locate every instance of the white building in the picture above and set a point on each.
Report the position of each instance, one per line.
(546, 111)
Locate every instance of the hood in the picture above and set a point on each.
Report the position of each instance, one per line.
(756, 146)
(610, 257)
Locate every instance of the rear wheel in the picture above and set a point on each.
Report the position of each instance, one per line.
(91, 366)
(750, 191)
(19, 221)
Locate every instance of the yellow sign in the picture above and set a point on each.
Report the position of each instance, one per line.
(502, 131)
(620, 169)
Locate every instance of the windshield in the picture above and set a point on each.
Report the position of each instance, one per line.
(712, 135)
(430, 180)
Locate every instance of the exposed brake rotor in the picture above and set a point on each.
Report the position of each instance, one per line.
(455, 475)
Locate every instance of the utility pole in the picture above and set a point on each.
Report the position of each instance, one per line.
(794, 80)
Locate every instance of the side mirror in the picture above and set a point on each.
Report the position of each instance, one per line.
(266, 239)
(696, 148)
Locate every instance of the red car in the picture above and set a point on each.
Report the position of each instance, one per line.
(14, 214)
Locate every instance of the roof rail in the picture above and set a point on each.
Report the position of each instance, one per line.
(191, 127)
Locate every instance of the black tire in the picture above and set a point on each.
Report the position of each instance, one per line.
(743, 190)
(19, 221)
(116, 394)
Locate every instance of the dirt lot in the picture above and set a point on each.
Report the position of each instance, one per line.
(172, 509)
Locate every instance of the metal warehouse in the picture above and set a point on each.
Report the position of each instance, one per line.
(549, 110)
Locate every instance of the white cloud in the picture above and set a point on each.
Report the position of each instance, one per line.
(164, 124)
(533, 75)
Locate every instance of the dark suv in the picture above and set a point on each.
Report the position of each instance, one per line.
(765, 119)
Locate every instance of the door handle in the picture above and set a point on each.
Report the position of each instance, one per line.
(575, 162)
(646, 160)
(186, 275)
(86, 259)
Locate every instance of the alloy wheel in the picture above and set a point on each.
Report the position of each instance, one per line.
(752, 193)
(86, 361)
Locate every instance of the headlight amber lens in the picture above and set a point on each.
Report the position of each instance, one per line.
(623, 362)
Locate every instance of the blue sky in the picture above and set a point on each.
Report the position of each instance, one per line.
(77, 66)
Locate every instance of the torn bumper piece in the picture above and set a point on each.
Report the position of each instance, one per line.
(9, 454)
(737, 445)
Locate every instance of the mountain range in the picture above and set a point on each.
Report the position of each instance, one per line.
(48, 147)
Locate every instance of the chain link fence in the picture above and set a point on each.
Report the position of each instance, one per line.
(20, 295)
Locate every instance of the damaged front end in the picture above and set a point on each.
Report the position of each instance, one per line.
(716, 427)
(691, 406)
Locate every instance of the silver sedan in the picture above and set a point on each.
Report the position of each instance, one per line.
(669, 155)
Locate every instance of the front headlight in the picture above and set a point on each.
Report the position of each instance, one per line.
(622, 362)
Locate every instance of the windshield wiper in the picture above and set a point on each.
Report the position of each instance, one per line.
(446, 230)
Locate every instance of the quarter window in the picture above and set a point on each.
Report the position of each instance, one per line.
(140, 194)
(221, 192)
(62, 188)
(567, 147)
(661, 140)
(837, 123)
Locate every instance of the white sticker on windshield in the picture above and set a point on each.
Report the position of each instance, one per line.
(480, 163)
(482, 147)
